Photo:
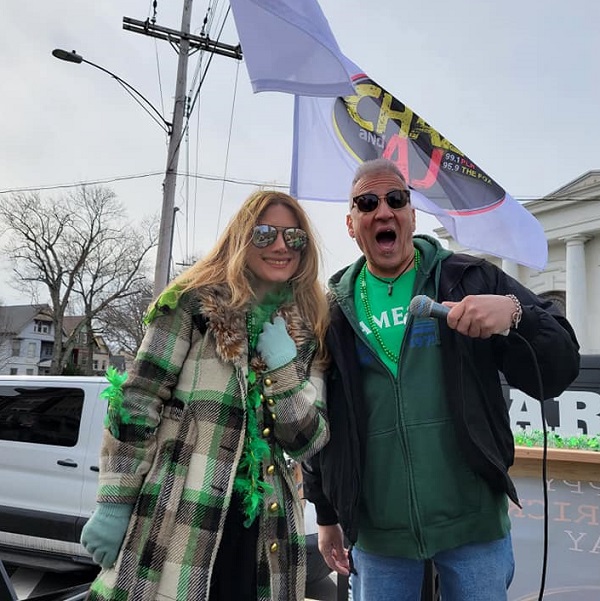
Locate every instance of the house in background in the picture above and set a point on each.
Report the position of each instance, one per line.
(80, 359)
(26, 339)
(123, 360)
(27, 342)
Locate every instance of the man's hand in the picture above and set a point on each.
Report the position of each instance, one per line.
(331, 546)
(481, 315)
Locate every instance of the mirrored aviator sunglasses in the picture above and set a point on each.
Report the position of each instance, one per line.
(396, 199)
(265, 235)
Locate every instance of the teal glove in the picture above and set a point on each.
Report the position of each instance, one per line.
(275, 344)
(103, 534)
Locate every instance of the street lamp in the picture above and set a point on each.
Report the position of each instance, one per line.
(73, 57)
(173, 130)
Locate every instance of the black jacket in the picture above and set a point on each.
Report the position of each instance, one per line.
(332, 479)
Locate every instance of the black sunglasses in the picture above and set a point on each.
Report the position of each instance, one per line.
(265, 235)
(396, 199)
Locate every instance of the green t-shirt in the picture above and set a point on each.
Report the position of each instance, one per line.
(387, 304)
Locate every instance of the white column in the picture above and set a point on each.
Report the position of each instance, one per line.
(511, 268)
(577, 312)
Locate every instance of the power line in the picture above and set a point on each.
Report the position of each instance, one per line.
(80, 183)
(236, 181)
(184, 42)
(235, 88)
(197, 93)
(214, 178)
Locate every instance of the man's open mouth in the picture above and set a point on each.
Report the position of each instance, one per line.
(386, 238)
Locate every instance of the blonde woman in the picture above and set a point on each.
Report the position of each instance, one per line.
(195, 498)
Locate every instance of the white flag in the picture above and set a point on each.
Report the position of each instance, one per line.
(288, 46)
(333, 136)
(343, 118)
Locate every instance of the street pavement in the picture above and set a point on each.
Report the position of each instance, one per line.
(28, 583)
(324, 590)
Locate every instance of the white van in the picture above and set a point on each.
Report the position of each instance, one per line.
(50, 435)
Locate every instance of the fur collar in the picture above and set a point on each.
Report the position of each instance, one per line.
(228, 326)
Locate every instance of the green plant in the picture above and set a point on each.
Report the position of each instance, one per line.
(535, 438)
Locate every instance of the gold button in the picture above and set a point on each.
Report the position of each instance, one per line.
(266, 432)
(273, 507)
(270, 402)
(271, 470)
(273, 416)
(262, 398)
(274, 548)
(268, 382)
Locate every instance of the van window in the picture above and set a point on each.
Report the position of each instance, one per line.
(42, 415)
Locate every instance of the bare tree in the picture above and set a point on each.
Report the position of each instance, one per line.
(81, 247)
(121, 323)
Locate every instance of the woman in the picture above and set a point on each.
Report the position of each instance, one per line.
(194, 486)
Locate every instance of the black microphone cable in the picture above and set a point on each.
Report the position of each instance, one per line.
(423, 306)
(540, 386)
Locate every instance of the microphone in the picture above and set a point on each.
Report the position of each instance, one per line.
(423, 306)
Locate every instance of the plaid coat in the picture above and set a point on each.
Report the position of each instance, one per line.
(176, 460)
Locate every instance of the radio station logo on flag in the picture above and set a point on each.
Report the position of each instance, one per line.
(372, 123)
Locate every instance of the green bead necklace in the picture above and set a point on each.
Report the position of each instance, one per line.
(369, 313)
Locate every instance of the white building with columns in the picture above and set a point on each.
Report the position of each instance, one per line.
(570, 217)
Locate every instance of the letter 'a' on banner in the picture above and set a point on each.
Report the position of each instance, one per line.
(332, 136)
(343, 118)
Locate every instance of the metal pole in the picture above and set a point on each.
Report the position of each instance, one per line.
(163, 253)
(7, 591)
(175, 209)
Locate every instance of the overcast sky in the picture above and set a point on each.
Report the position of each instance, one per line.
(514, 85)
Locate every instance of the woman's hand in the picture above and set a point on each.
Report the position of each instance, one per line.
(103, 534)
(275, 344)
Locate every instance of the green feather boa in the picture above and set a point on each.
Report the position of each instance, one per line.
(248, 482)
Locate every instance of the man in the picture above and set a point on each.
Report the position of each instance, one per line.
(420, 439)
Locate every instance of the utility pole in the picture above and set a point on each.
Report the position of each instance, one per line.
(185, 42)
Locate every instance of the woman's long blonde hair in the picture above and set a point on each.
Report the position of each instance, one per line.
(226, 263)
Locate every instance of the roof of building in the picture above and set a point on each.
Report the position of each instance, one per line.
(70, 322)
(13, 318)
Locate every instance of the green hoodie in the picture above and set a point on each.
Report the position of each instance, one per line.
(418, 496)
